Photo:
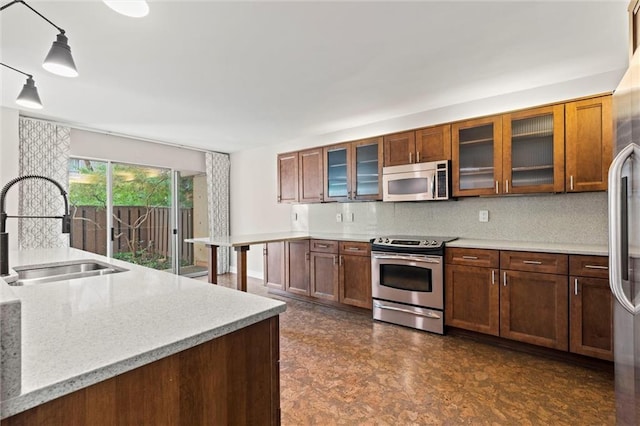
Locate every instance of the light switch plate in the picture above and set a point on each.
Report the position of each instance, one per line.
(338, 217)
(483, 216)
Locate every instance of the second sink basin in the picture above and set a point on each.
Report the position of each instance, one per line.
(61, 271)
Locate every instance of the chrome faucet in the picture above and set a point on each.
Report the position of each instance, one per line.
(4, 236)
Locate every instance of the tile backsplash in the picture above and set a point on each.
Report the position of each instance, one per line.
(579, 218)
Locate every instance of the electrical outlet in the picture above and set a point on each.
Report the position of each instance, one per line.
(338, 217)
(484, 216)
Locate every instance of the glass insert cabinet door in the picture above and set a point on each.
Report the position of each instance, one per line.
(534, 150)
(353, 170)
(477, 156)
(367, 169)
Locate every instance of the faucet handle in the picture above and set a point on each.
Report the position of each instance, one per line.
(66, 224)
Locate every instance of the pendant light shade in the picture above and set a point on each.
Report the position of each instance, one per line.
(59, 60)
(132, 8)
(28, 96)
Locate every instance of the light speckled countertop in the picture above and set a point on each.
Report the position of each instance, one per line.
(563, 248)
(82, 331)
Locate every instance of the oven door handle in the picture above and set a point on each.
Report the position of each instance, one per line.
(407, 311)
(409, 258)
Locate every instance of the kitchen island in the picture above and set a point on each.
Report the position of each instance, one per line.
(142, 347)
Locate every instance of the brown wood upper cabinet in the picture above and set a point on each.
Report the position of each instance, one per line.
(428, 144)
(353, 170)
(533, 150)
(476, 151)
(589, 144)
(288, 177)
(515, 153)
(310, 176)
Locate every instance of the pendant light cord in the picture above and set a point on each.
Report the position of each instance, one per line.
(17, 70)
(33, 10)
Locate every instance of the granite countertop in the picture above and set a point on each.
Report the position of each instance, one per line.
(79, 332)
(562, 248)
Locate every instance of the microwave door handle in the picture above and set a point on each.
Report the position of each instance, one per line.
(433, 186)
(618, 249)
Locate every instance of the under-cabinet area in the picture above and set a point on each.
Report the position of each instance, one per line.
(559, 301)
(564, 147)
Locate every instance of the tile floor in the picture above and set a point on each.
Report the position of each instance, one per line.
(342, 368)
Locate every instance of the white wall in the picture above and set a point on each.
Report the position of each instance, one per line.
(560, 217)
(9, 167)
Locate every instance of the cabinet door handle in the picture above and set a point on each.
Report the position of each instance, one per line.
(470, 257)
(506, 186)
(571, 182)
(340, 260)
(493, 276)
(504, 279)
(352, 249)
(335, 259)
(410, 158)
(497, 191)
(417, 156)
(322, 245)
(596, 267)
(575, 286)
(532, 262)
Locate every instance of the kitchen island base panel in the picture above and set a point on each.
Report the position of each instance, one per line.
(233, 379)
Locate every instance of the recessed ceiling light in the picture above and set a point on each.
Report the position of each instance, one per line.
(132, 8)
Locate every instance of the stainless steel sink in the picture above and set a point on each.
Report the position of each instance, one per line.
(62, 271)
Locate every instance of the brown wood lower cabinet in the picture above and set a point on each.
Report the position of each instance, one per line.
(554, 300)
(355, 280)
(337, 273)
(324, 276)
(472, 299)
(297, 267)
(591, 307)
(534, 308)
(274, 267)
(218, 382)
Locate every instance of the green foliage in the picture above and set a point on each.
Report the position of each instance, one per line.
(132, 186)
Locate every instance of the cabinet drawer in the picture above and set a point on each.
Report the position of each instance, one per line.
(473, 257)
(589, 266)
(534, 262)
(355, 248)
(324, 246)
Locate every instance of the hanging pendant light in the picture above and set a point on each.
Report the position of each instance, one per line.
(28, 96)
(59, 60)
(132, 8)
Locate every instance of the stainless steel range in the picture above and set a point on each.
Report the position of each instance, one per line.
(407, 275)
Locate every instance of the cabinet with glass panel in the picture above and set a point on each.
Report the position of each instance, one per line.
(477, 156)
(533, 150)
(516, 153)
(353, 170)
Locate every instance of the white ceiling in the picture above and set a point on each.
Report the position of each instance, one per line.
(228, 76)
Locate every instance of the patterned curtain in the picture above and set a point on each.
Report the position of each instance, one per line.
(44, 150)
(217, 167)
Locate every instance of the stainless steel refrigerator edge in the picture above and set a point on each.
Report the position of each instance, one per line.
(624, 244)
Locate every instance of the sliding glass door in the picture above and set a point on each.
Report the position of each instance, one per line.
(141, 214)
(191, 220)
(143, 226)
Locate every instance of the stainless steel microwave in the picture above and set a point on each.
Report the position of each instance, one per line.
(416, 182)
